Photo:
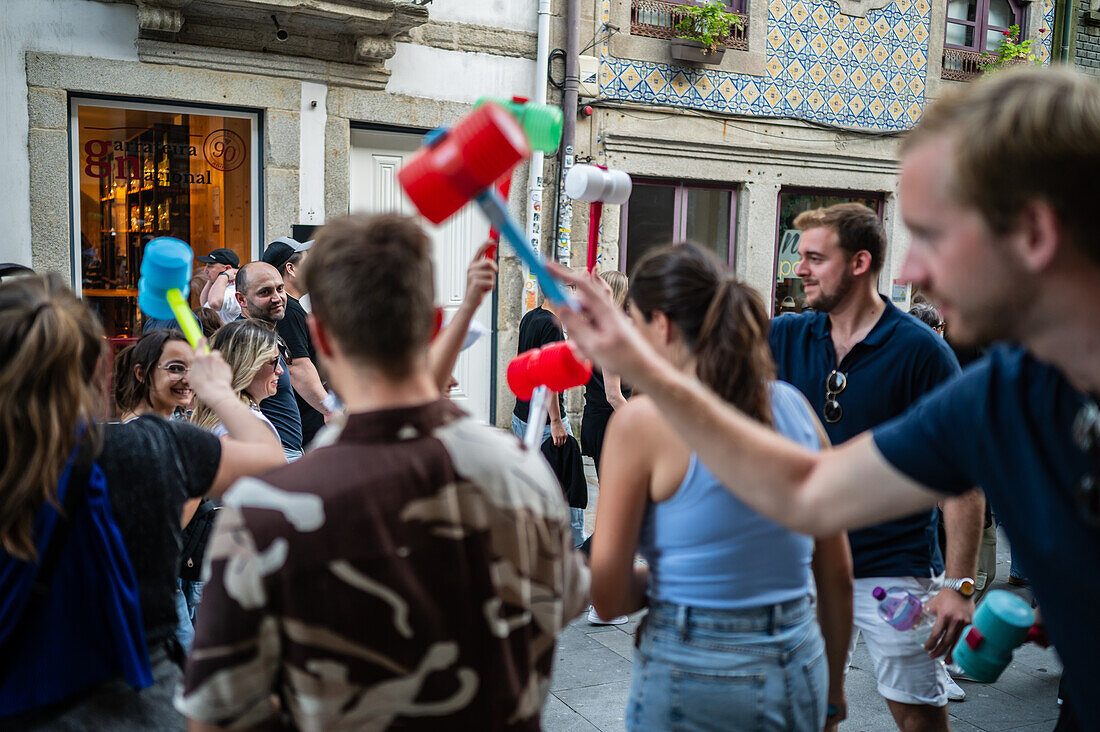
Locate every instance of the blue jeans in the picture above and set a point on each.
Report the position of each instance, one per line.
(188, 597)
(760, 668)
(576, 515)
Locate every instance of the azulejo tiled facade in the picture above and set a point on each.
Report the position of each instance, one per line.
(860, 73)
(1046, 38)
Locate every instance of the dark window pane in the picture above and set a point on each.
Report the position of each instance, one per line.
(789, 295)
(649, 220)
(962, 9)
(708, 220)
(1000, 13)
(960, 35)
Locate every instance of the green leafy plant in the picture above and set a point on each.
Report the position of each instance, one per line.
(709, 24)
(1011, 52)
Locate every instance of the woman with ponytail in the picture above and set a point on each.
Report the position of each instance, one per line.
(604, 392)
(732, 638)
(90, 520)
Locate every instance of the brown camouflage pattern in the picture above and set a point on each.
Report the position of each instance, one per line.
(414, 574)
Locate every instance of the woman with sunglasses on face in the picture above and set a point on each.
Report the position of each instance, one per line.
(89, 519)
(252, 351)
(150, 376)
(732, 637)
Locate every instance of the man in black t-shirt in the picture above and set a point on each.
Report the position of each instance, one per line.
(288, 256)
(538, 328)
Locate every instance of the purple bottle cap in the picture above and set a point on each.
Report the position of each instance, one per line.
(878, 593)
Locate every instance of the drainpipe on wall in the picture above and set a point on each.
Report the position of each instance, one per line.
(1067, 22)
(569, 129)
(535, 210)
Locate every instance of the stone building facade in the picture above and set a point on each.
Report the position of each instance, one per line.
(324, 100)
(123, 116)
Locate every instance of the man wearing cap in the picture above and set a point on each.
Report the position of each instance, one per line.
(219, 294)
(287, 256)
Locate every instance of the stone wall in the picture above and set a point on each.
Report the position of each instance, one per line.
(1086, 55)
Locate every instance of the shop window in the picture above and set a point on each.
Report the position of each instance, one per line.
(661, 213)
(789, 293)
(142, 171)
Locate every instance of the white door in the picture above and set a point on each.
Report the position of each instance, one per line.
(375, 159)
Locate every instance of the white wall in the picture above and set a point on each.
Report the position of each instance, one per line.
(423, 71)
(515, 14)
(74, 27)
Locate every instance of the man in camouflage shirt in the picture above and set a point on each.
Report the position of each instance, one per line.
(416, 571)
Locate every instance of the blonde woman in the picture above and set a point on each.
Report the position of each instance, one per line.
(252, 351)
(89, 519)
(604, 393)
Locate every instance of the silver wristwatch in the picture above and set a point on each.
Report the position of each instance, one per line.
(962, 585)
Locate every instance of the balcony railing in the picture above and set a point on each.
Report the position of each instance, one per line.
(961, 65)
(658, 19)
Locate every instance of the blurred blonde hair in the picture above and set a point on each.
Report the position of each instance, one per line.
(618, 283)
(246, 345)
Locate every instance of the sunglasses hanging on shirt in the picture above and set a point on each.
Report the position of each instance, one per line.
(835, 384)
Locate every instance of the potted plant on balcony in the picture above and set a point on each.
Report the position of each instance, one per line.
(1011, 52)
(701, 32)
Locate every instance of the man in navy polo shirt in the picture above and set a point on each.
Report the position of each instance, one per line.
(861, 362)
(997, 189)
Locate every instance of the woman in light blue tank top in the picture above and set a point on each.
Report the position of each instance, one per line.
(732, 639)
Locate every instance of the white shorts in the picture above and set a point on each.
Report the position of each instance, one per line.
(903, 669)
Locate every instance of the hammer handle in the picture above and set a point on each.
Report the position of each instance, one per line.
(493, 208)
(187, 320)
(595, 213)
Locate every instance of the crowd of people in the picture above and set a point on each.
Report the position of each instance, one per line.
(296, 527)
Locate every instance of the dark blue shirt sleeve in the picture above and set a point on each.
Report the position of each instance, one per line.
(939, 366)
(936, 443)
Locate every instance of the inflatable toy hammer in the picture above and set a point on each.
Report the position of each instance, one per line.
(598, 186)
(165, 276)
(1002, 623)
(533, 374)
(461, 164)
(541, 123)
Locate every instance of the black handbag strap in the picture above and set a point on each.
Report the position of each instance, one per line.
(75, 495)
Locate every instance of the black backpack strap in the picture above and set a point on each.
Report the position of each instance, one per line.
(194, 539)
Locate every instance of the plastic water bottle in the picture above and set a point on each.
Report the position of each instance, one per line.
(904, 611)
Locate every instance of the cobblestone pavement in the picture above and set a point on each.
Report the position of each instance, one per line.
(592, 667)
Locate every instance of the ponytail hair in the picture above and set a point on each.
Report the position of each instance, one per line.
(132, 392)
(51, 386)
(721, 320)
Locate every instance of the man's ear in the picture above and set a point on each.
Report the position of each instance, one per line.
(860, 263)
(241, 300)
(320, 336)
(1038, 235)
